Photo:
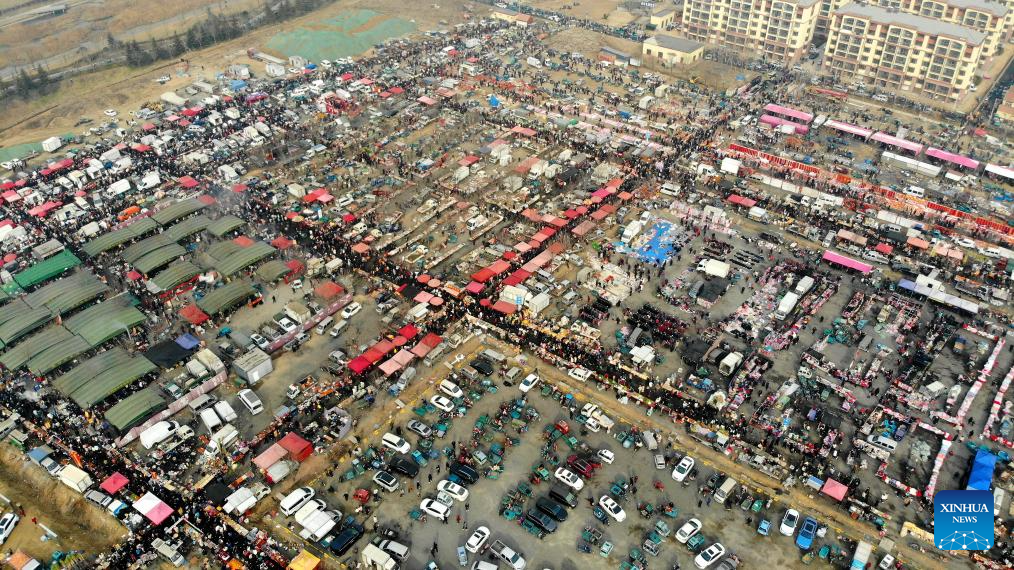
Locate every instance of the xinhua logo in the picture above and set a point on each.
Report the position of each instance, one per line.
(963, 520)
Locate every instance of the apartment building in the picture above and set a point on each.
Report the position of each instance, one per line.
(776, 29)
(899, 51)
(986, 16)
(827, 7)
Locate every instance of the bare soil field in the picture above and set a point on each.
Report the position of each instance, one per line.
(79, 524)
(603, 11)
(125, 89)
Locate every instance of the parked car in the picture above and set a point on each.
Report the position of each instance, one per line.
(789, 520)
(688, 530)
(442, 403)
(528, 383)
(612, 508)
(406, 467)
(709, 555)
(477, 540)
(391, 441)
(542, 520)
(420, 428)
(466, 473)
(437, 509)
(579, 374)
(806, 533)
(569, 478)
(7, 524)
(551, 508)
(456, 491)
(606, 456)
(683, 468)
(351, 309)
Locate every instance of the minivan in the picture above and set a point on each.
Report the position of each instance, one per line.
(341, 543)
(339, 327)
(322, 326)
(251, 401)
(513, 373)
(395, 549)
(465, 473)
(201, 402)
(494, 356)
(295, 500)
(563, 494)
(723, 492)
(210, 420)
(885, 443)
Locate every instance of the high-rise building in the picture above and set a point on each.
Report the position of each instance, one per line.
(779, 30)
(902, 52)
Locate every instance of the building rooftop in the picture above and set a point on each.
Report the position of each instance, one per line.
(663, 12)
(674, 43)
(988, 6)
(913, 21)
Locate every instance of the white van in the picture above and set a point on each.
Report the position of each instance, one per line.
(322, 326)
(210, 420)
(225, 411)
(914, 191)
(451, 389)
(157, 433)
(251, 401)
(494, 356)
(201, 402)
(295, 500)
(483, 565)
(395, 549)
(475, 223)
(338, 327)
(723, 492)
(885, 443)
(222, 438)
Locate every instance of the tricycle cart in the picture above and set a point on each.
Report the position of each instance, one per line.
(605, 549)
(462, 556)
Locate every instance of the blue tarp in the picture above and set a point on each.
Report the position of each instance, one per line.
(39, 453)
(981, 476)
(187, 341)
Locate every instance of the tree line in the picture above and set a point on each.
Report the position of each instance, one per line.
(214, 28)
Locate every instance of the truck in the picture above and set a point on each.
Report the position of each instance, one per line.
(631, 231)
(317, 525)
(75, 478)
(333, 265)
(225, 411)
(196, 369)
(375, 558)
(862, 555)
(804, 285)
(714, 267)
(157, 433)
(786, 305)
(594, 412)
(730, 363)
(169, 551)
(210, 360)
(508, 555)
(253, 366)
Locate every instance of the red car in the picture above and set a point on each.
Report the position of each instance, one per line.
(581, 466)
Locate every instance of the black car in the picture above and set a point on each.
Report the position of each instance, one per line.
(344, 540)
(551, 508)
(465, 473)
(541, 520)
(559, 492)
(714, 480)
(404, 466)
(484, 366)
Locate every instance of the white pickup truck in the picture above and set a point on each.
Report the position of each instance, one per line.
(508, 555)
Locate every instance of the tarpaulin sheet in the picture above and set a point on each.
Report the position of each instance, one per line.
(887, 139)
(483, 275)
(153, 508)
(505, 307)
(583, 228)
(408, 331)
(742, 200)
(474, 287)
(834, 489)
(958, 159)
(359, 364)
(848, 262)
(389, 367)
(114, 483)
(779, 122)
(403, 357)
(884, 248)
(981, 476)
(788, 112)
(270, 456)
(916, 242)
(499, 266)
(847, 128)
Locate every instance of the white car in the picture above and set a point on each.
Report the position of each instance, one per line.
(456, 491)
(528, 383)
(612, 508)
(351, 309)
(789, 521)
(396, 443)
(569, 479)
(451, 389)
(432, 507)
(709, 555)
(109, 113)
(287, 324)
(442, 403)
(964, 242)
(478, 538)
(688, 530)
(606, 456)
(7, 524)
(580, 374)
(297, 284)
(683, 468)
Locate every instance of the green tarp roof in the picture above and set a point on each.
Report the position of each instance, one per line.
(223, 249)
(144, 247)
(175, 274)
(103, 321)
(159, 258)
(110, 240)
(272, 270)
(15, 357)
(226, 297)
(100, 376)
(171, 213)
(134, 409)
(243, 258)
(57, 355)
(187, 227)
(46, 269)
(224, 225)
(18, 319)
(67, 293)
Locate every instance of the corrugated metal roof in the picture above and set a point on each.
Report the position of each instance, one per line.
(226, 297)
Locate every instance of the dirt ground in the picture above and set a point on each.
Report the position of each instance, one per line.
(79, 525)
(125, 89)
(589, 43)
(604, 11)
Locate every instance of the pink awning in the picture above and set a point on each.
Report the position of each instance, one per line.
(389, 367)
(832, 257)
(523, 131)
(884, 248)
(188, 182)
(474, 287)
(965, 161)
(114, 483)
(583, 228)
(742, 200)
(270, 456)
(505, 307)
(834, 489)
(916, 242)
(358, 364)
(887, 139)
(779, 122)
(847, 128)
(788, 112)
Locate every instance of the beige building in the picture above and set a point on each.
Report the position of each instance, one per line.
(663, 18)
(898, 51)
(669, 51)
(827, 7)
(780, 30)
(986, 16)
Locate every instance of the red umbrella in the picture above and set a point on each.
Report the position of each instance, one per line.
(484, 302)
(133, 275)
(424, 278)
(435, 283)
